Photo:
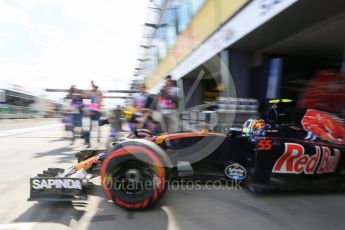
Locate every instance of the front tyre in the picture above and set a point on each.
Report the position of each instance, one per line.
(135, 176)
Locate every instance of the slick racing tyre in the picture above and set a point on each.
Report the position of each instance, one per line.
(135, 175)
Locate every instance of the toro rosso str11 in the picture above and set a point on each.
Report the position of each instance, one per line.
(136, 171)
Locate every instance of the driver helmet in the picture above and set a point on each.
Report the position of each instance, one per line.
(254, 126)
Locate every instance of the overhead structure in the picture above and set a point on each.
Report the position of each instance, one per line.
(146, 48)
(104, 91)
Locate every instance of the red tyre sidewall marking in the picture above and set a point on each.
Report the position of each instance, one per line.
(144, 134)
(133, 150)
(131, 206)
(155, 196)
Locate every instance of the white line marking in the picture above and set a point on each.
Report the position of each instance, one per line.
(92, 208)
(172, 223)
(20, 226)
(27, 130)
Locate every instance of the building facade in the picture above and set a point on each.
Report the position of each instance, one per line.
(267, 48)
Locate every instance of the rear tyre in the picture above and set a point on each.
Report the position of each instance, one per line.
(135, 176)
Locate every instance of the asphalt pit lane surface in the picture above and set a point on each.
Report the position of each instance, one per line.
(102, 218)
(130, 215)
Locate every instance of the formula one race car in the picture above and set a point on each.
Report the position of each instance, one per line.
(136, 171)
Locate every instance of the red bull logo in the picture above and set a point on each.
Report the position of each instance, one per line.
(295, 161)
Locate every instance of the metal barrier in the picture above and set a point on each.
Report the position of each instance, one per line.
(15, 112)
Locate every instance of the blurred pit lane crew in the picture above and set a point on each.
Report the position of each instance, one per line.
(115, 122)
(168, 96)
(168, 103)
(96, 98)
(76, 106)
(91, 111)
(67, 121)
(85, 107)
(144, 104)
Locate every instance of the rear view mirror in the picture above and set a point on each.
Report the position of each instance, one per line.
(273, 115)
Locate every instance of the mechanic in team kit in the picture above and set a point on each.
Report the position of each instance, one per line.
(92, 112)
(85, 108)
(115, 122)
(168, 96)
(76, 108)
(96, 97)
(144, 104)
(168, 103)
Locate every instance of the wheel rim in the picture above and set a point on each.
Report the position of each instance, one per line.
(133, 178)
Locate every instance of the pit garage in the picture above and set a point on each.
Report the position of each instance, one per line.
(280, 57)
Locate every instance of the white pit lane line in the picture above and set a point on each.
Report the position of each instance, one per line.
(19, 226)
(84, 222)
(11, 132)
(172, 222)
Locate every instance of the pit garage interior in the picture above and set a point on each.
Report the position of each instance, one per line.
(306, 44)
(276, 61)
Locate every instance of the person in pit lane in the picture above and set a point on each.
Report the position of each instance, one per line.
(144, 104)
